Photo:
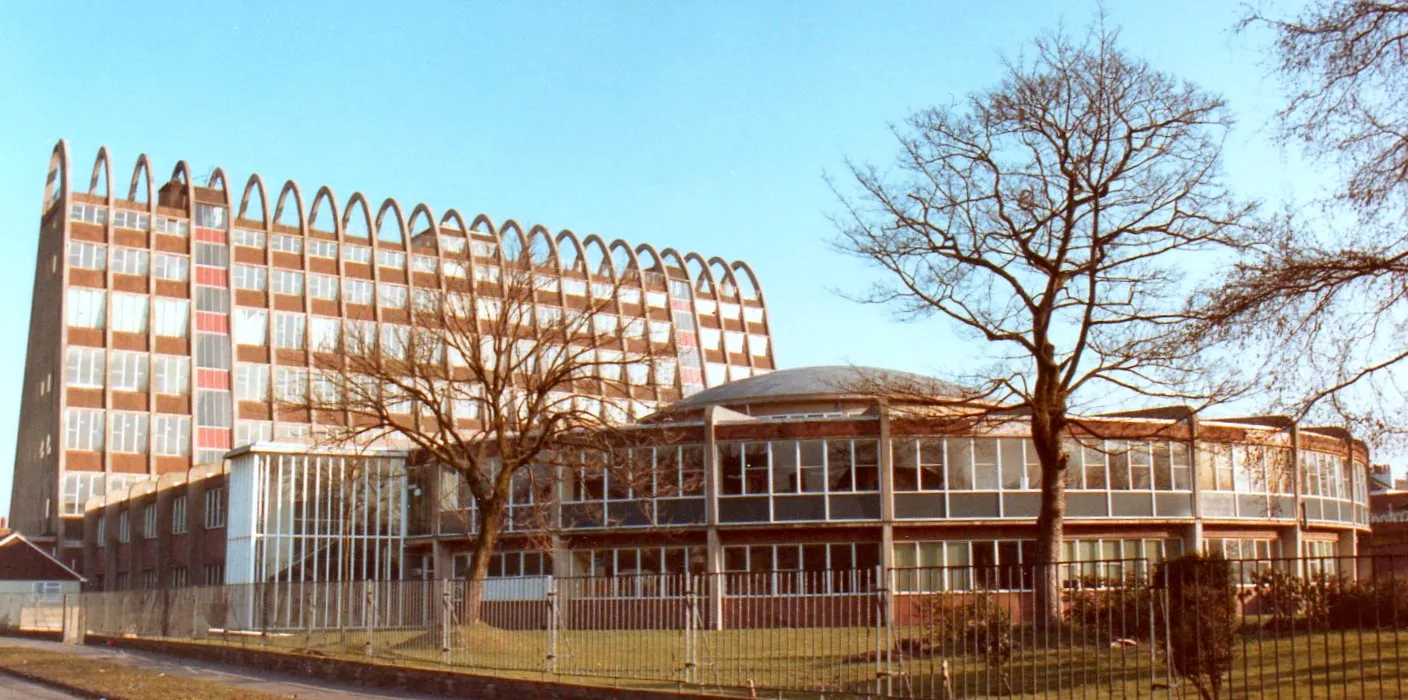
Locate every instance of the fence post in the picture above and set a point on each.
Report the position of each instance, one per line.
(882, 634)
(550, 658)
(368, 605)
(446, 621)
(691, 622)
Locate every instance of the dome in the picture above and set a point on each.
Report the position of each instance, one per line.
(826, 382)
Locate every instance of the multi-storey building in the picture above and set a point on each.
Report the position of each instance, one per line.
(165, 322)
(775, 482)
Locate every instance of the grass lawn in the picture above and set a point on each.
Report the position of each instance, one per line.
(1370, 664)
(116, 681)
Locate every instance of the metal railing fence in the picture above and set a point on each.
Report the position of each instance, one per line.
(1284, 628)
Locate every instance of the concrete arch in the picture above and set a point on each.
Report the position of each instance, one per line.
(219, 174)
(255, 185)
(519, 238)
(740, 266)
(56, 184)
(102, 165)
(538, 231)
(578, 259)
(720, 265)
(484, 220)
(432, 225)
(325, 194)
(183, 170)
(390, 204)
(357, 199)
(659, 265)
(144, 169)
(453, 213)
(703, 275)
(602, 261)
(291, 186)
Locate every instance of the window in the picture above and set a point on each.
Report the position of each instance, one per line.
(149, 521)
(324, 333)
(131, 219)
(102, 531)
(287, 282)
(88, 214)
(357, 291)
(83, 428)
(423, 263)
(394, 340)
(215, 507)
(918, 464)
(129, 312)
(212, 217)
(248, 432)
(252, 382)
(247, 238)
(124, 527)
(84, 367)
(288, 331)
(171, 375)
(178, 516)
(173, 317)
(128, 433)
(212, 351)
(214, 574)
(213, 409)
(172, 227)
(78, 487)
(291, 384)
(87, 308)
(87, 256)
(322, 249)
(128, 261)
(212, 255)
(213, 299)
(356, 254)
(455, 268)
(179, 578)
(171, 267)
(322, 287)
(251, 326)
(250, 277)
(393, 296)
(391, 258)
(129, 371)
(171, 436)
(286, 244)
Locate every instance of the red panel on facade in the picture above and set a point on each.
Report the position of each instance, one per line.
(207, 322)
(212, 276)
(691, 376)
(213, 438)
(681, 305)
(685, 339)
(212, 379)
(210, 235)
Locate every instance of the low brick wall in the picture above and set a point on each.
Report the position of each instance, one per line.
(389, 677)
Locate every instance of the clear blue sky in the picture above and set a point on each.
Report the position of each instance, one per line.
(703, 126)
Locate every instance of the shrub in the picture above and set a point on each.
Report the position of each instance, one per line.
(1202, 619)
(1119, 610)
(977, 624)
(1281, 595)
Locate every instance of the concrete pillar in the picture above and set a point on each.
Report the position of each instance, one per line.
(715, 580)
(1348, 550)
(887, 513)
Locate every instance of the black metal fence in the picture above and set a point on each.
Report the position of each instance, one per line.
(1253, 628)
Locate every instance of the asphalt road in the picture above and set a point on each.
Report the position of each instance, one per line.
(234, 676)
(12, 688)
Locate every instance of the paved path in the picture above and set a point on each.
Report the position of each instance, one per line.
(12, 688)
(235, 676)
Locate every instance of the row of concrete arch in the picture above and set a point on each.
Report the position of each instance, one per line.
(714, 277)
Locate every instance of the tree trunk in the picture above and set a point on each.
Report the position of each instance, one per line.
(1047, 427)
(490, 528)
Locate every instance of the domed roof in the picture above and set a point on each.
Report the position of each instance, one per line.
(826, 382)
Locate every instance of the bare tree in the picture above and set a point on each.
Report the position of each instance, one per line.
(1050, 217)
(1324, 306)
(495, 380)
